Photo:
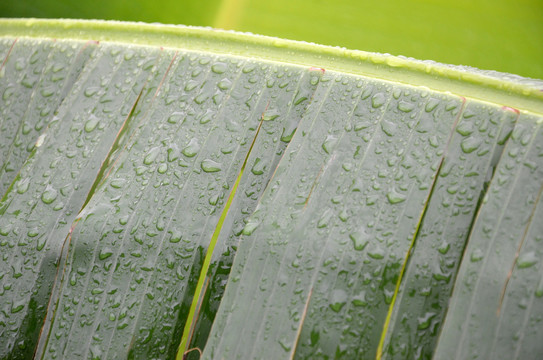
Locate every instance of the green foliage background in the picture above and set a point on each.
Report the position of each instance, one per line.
(502, 35)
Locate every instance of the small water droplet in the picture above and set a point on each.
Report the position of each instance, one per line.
(339, 298)
(527, 260)
(476, 255)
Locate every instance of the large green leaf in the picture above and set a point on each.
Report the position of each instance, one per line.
(170, 190)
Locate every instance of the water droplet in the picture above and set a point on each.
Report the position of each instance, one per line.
(270, 114)
(192, 148)
(476, 255)
(395, 198)
(527, 260)
(425, 321)
(224, 84)
(105, 253)
(325, 218)
(191, 85)
(405, 106)
(22, 185)
(465, 128)
(339, 298)
(210, 166)
(258, 167)
(329, 144)
(249, 228)
(162, 168)
(287, 137)
(359, 240)
(91, 124)
(378, 100)
(49, 195)
(219, 68)
(17, 306)
(175, 118)
(377, 253)
(285, 344)
(91, 90)
(389, 127)
(470, 144)
(151, 155)
(431, 105)
(41, 243)
(213, 200)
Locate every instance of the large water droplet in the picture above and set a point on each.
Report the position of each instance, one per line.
(395, 198)
(470, 144)
(359, 240)
(91, 124)
(329, 144)
(258, 167)
(219, 68)
(378, 100)
(151, 155)
(210, 166)
(105, 253)
(192, 148)
(49, 195)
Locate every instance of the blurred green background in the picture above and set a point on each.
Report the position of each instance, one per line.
(503, 35)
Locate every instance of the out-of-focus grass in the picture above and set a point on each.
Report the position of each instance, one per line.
(501, 35)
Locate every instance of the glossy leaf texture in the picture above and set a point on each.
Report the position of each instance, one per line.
(248, 208)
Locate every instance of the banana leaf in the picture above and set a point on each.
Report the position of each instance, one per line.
(179, 192)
